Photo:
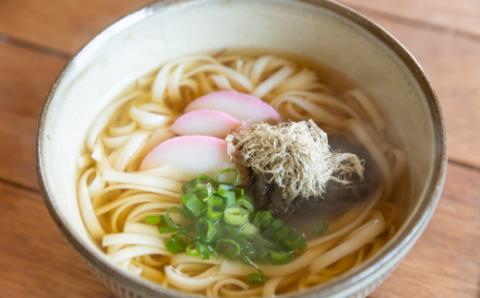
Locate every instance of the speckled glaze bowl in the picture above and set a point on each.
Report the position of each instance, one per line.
(321, 30)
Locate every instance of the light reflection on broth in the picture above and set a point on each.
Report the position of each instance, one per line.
(115, 198)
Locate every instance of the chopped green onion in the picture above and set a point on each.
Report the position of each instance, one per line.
(153, 219)
(272, 228)
(204, 250)
(192, 251)
(220, 219)
(176, 244)
(280, 257)
(230, 248)
(282, 232)
(262, 248)
(168, 220)
(230, 176)
(248, 259)
(164, 229)
(202, 186)
(231, 231)
(263, 219)
(215, 208)
(228, 187)
(193, 204)
(249, 230)
(236, 216)
(230, 200)
(294, 241)
(262, 243)
(211, 232)
(245, 204)
(320, 229)
(240, 192)
(256, 278)
(204, 190)
(228, 195)
(206, 229)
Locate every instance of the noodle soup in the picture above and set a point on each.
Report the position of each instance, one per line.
(170, 135)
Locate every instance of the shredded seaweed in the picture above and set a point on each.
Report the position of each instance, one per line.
(294, 157)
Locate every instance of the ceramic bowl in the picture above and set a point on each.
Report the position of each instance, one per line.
(323, 31)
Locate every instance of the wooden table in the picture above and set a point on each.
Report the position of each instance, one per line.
(38, 37)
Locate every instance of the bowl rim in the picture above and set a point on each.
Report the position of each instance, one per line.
(411, 230)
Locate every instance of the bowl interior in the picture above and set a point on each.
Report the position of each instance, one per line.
(146, 39)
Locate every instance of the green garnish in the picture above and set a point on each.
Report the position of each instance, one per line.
(193, 204)
(246, 204)
(215, 208)
(219, 218)
(153, 219)
(248, 229)
(191, 250)
(256, 278)
(236, 216)
(176, 244)
(228, 176)
(205, 250)
(263, 219)
(229, 248)
(280, 257)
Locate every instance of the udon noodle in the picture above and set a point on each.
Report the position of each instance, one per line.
(115, 197)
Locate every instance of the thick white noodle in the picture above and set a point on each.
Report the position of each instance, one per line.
(132, 239)
(141, 179)
(364, 234)
(356, 222)
(272, 82)
(102, 120)
(130, 150)
(86, 208)
(131, 252)
(182, 281)
(215, 289)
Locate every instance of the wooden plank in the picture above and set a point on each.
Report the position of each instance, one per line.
(36, 261)
(61, 24)
(25, 79)
(444, 263)
(462, 16)
(446, 260)
(451, 63)
(69, 27)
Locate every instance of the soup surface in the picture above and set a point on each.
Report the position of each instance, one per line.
(156, 176)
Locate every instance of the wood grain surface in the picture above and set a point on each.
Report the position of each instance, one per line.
(460, 16)
(36, 41)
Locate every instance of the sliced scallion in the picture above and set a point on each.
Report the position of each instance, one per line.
(218, 218)
(256, 278)
(215, 208)
(263, 219)
(228, 176)
(193, 204)
(204, 250)
(228, 247)
(236, 216)
(280, 257)
(176, 244)
(249, 230)
(245, 204)
(192, 251)
(153, 219)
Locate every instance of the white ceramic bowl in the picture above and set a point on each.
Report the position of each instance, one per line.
(323, 31)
